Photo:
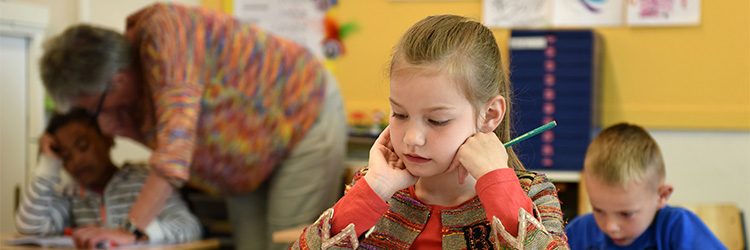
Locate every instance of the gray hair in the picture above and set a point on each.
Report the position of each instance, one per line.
(82, 60)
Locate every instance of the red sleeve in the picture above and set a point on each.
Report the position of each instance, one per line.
(502, 196)
(361, 206)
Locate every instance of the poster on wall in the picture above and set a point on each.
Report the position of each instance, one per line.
(552, 13)
(664, 12)
(514, 13)
(588, 13)
(298, 20)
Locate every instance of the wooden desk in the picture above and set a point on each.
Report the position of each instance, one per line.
(193, 245)
(288, 236)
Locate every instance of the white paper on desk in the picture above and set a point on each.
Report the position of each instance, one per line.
(44, 241)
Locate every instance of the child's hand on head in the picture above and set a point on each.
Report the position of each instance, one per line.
(478, 155)
(48, 145)
(387, 173)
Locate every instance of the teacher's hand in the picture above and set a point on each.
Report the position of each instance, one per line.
(90, 236)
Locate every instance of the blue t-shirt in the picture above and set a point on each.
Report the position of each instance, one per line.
(672, 228)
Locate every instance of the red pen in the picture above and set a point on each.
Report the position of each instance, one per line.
(101, 245)
(105, 245)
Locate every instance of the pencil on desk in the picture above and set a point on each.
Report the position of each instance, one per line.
(531, 133)
(105, 245)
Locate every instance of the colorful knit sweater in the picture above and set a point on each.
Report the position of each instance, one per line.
(399, 227)
(228, 101)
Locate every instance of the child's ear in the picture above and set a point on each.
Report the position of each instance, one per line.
(494, 112)
(665, 191)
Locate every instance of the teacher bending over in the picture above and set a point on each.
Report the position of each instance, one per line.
(225, 106)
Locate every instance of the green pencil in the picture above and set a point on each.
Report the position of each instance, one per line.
(529, 134)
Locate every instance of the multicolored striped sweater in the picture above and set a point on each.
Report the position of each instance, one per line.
(399, 227)
(48, 208)
(228, 100)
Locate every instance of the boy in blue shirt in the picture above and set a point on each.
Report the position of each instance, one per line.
(624, 177)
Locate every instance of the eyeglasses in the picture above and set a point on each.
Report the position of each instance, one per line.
(101, 101)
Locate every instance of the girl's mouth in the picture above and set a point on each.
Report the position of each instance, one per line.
(416, 158)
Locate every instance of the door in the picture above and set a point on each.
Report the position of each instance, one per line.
(13, 125)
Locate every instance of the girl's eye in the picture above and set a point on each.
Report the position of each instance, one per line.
(399, 116)
(439, 123)
(626, 214)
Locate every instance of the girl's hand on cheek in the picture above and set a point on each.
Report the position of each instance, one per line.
(478, 155)
(48, 145)
(387, 173)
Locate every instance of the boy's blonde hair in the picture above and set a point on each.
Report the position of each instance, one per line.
(624, 153)
(467, 51)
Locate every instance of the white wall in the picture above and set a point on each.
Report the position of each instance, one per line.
(112, 14)
(62, 13)
(107, 13)
(708, 167)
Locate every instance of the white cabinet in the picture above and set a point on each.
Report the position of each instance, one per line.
(21, 101)
(12, 124)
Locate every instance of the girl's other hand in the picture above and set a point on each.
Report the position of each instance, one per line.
(478, 155)
(387, 173)
(48, 145)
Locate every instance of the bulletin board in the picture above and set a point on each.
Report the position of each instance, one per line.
(695, 77)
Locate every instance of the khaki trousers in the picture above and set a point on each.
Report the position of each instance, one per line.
(309, 181)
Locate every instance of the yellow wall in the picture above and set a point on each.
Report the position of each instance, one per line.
(694, 77)
(361, 71)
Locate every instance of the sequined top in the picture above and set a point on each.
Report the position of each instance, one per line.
(464, 227)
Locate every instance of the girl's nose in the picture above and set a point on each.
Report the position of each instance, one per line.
(414, 136)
